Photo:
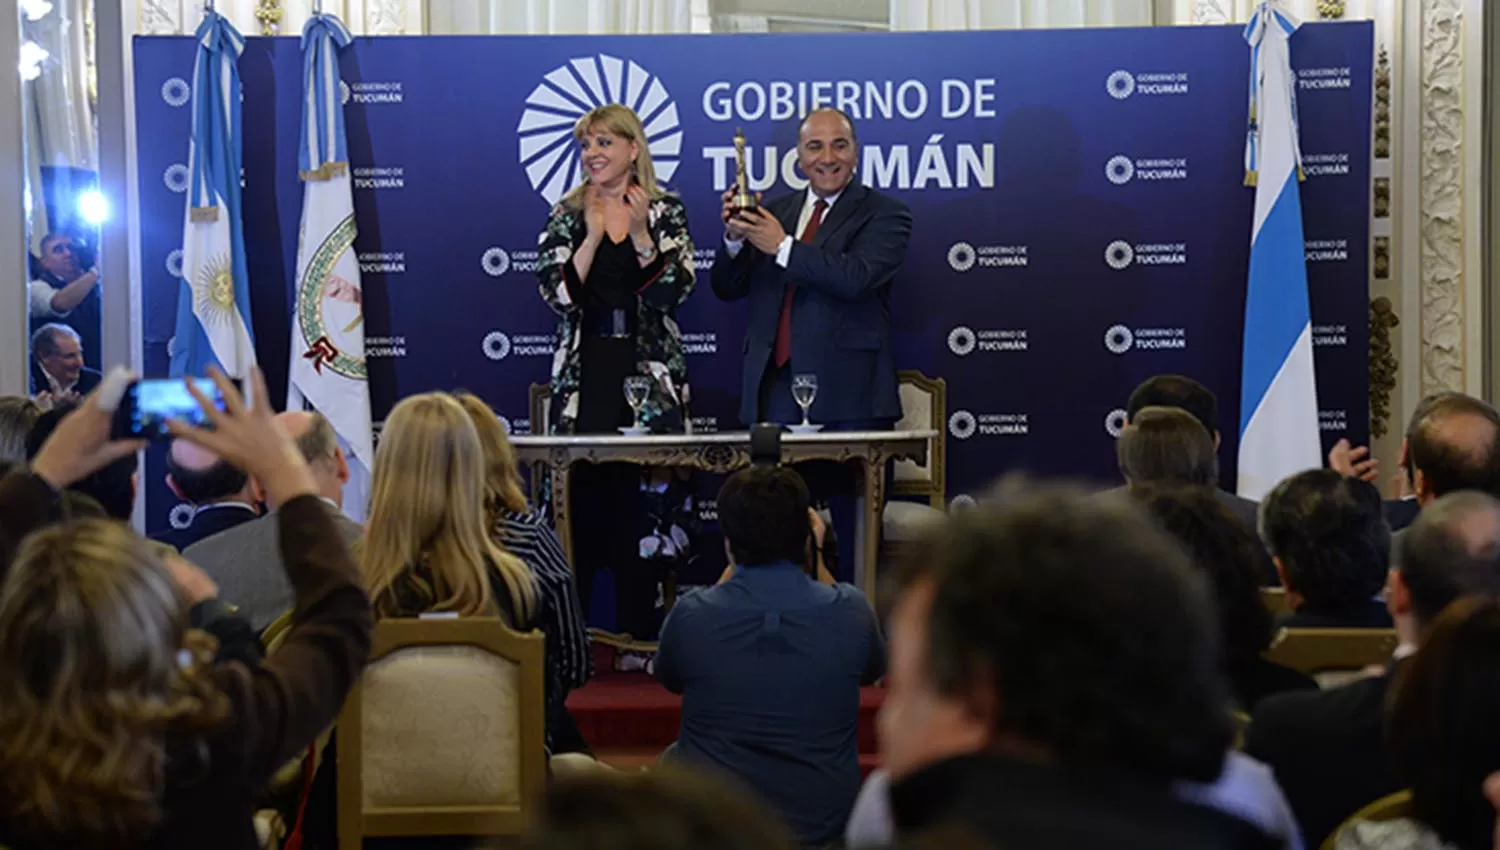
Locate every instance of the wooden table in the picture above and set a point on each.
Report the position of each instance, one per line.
(729, 451)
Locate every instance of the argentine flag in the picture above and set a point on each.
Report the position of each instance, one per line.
(328, 331)
(213, 304)
(1278, 394)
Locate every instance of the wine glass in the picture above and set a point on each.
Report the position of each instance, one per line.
(637, 387)
(804, 390)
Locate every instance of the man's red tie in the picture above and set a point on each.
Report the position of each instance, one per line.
(782, 353)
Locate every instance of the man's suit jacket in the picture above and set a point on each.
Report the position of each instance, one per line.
(245, 562)
(841, 327)
(1400, 513)
(208, 520)
(88, 379)
(1327, 749)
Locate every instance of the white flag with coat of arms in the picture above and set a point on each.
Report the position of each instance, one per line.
(327, 369)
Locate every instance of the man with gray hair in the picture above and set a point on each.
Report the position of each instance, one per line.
(245, 561)
(57, 363)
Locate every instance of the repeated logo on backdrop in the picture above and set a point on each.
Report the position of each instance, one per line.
(1064, 246)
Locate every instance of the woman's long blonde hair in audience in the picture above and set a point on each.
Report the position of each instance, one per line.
(427, 507)
(97, 669)
(502, 476)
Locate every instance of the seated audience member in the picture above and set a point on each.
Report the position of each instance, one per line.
(1166, 445)
(222, 496)
(1356, 462)
(1228, 554)
(57, 364)
(17, 416)
(245, 560)
(655, 810)
(1332, 549)
(1187, 394)
(1326, 747)
(1443, 736)
(428, 548)
(116, 729)
(770, 663)
(1054, 674)
(527, 535)
(112, 485)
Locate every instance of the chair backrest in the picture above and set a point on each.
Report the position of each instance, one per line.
(1275, 600)
(1316, 651)
(540, 399)
(924, 405)
(445, 732)
(1389, 807)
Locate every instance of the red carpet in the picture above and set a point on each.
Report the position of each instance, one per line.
(628, 718)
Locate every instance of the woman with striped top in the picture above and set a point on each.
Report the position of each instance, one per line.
(527, 535)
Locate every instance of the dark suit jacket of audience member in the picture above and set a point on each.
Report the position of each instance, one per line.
(1256, 679)
(207, 521)
(1399, 513)
(245, 562)
(1022, 806)
(1248, 512)
(1369, 615)
(87, 380)
(275, 709)
(1327, 751)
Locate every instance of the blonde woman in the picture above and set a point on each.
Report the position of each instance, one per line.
(615, 262)
(116, 727)
(427, 545)
(527, 535)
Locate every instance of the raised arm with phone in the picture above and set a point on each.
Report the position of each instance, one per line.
(185, 775)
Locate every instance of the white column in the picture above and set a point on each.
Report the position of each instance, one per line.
(13, 310)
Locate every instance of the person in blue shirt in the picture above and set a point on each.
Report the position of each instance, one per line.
(770, 662)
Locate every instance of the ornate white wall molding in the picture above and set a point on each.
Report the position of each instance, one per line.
(256, 17)
(1441, 213)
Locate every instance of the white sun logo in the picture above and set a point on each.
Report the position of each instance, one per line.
(566, 94)
(176, 92)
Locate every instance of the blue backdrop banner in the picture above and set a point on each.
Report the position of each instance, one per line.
(1081, 221)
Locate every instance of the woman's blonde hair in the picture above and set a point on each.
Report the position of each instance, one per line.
(97, 669)
(502, 477)
(17, 415)
(427, 510)
(616, 120)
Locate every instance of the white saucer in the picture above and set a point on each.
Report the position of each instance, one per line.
(805, 429)
(631, 431)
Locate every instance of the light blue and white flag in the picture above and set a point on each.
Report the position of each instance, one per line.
(1278, 394)
(328, 332)
(213, 304)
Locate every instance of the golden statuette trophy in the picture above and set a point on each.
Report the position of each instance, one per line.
(744, 199)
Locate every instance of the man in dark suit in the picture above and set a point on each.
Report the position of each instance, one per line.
(245, 561)
(817, 268)
(57, 364)
(221, 495)
(1327, 747)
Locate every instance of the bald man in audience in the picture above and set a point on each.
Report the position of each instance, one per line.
(245, 561)
(1327, 747)
(1452, 436)
(221, 496)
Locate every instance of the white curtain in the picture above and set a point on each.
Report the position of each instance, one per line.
(1018, 14)
(363, 17)
(1238, 11)
(59, 102)
(543, 17)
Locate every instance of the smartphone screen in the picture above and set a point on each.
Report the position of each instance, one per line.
(148, 405)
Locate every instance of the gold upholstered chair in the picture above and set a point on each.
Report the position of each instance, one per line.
(1332, 656)
(445, 732)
